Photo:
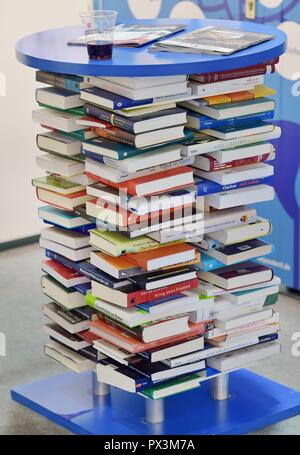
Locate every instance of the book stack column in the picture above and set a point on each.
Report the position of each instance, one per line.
(151, 237)
(154, 248)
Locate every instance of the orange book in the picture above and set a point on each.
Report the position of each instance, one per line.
(166, 256)
(122, 339)
(159, 182)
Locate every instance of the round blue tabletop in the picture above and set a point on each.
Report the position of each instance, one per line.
(49, 51)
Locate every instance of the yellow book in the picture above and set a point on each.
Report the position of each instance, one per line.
(259, 91)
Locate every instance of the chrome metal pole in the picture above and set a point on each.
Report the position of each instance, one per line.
(220, 387)
(99, 388)
(154, 410)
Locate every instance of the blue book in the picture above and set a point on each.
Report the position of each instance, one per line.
(65, 81)
(131, 124)
(205, 187)
(208, 263)
(63, 218)
(111, 100)
(82, 229)
(203, 122)
(148, 305)
(87, 269)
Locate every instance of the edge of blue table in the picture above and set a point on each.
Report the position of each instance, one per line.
(69, 399)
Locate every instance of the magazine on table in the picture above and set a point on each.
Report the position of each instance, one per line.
(211, 40)
(136, 35)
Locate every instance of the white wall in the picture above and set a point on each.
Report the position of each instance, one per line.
(18, 205)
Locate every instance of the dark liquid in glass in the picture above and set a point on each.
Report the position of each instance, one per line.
(100, 50)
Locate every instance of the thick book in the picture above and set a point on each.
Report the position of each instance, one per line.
(63, 201)
(59, 165)
(220, 219)
(231, 132)
(242, 297)
(153, 184)
(59, 143)
(243, 357)
(72, 341)
(241, 196)
(174, 386)
(63, 274)
(63, 218)
(220, 76)
(69, 298)
(201, 122)
(164, 256)
(68, 357)
(58, 98)
(122, 339)
(65, 237)
(217, 148)
(259, 228)
(130, 295)
(156, 280)
(139, 123)
(238, 276)
(56, 119)
(64, 81)
(238, 174)
(206, 187)
(79, 254)
(73, 321)
(232, 254)
(142, 140)
(212, 40)
(230, 323)
(237, 109)
(88, 270)
(219, 88)
(137, 83)
(156, 93)
(209, 164)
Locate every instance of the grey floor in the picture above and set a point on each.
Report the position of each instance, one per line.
(21, 321)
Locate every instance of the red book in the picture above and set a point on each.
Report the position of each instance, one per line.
(123, 340)
(214, 165)
(159, 182)
(127, 297)
(255, 70)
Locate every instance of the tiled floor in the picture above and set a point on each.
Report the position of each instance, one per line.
(21, 321)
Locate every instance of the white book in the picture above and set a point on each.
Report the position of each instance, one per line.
(120, 355)
(59, 143)
(61, 317)
(75, 255)
(231, 86)
(144, 205)
(58, 98)
(67, 282)
(141, 93)
(225, 309)
(242, 297)
(58, 120)
(259, 228)
(137, 83)
(228, 323)
(68, 238)
(81, 179)
(60, 200)
(241, 196)
(118, 175)
(238, 174)
(218, 147)
(146, 160)
(72, 341)
(259, 152)
(244, 251)
(68, 298)
(210, 290)
(227, 133)
(68, 357)
(61, 217)
(243, 357)
(227, 218)
(133, 316)
(59, 165)
(188, 231)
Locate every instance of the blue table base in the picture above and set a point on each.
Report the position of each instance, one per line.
(68, 400)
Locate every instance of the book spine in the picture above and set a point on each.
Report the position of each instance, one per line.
(236, 74)
(214, 165)
(87, 269)
(116, 135)
(58, 81)
(205, 122)
(209, 187)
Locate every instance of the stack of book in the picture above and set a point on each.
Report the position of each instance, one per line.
(151, 246)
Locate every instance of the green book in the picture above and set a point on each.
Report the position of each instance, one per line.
(57, 184)
(173, 387)
(117, 244)
(73, 111)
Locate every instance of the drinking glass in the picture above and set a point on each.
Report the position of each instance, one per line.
(99, 28)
